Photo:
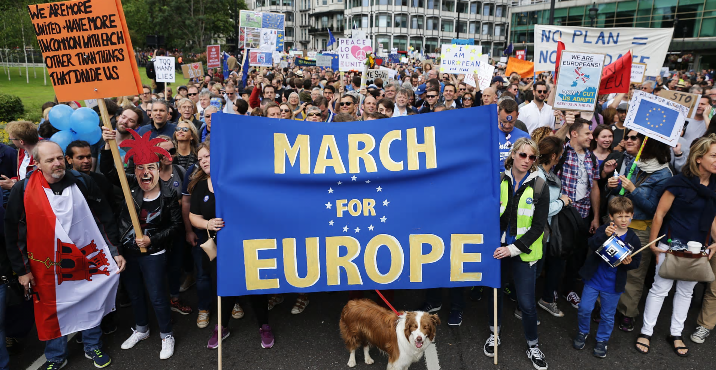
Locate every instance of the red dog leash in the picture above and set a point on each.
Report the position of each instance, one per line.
(386, 302)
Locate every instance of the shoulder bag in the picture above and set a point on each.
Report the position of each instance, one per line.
(686, 266)
(209, 246)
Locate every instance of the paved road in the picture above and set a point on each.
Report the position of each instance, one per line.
(311, 340)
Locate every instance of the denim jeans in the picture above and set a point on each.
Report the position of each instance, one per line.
(553, 275)
(147, 274)
(56, 349)
(457, 298)
(175, 260)
(608, 302)
(4, 356)
(203, 278)
(524, 276)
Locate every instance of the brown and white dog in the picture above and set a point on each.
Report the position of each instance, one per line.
(403, 338)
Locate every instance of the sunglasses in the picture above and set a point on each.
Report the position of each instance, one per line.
(541, 91)
(313, 115)
(631, 137)
(192, 94)
(466, 99)
(431, 96)
(207, 116)
(285, 110)
(462, 89)
(172, 151)
(183, 129)
(231, 94)
(531, 157)
(346, 104)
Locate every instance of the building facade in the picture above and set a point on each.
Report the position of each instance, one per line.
(693, 45)
(400, 24)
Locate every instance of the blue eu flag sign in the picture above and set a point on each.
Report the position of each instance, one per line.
(655, 117)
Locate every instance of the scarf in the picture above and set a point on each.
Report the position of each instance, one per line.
(650, 165)
(706, 193)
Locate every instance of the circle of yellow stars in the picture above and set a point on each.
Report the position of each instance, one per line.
(663, 117)
(472, 50)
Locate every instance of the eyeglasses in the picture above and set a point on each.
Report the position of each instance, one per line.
(183, 129)
(541, 91)
(531, 157)
(431, 96)
(346, 103)
(313, 115)
(470, 99)
(231, 94)
(192, 94)
(462, 89)
(631, 137)
(285, 110)
(172, 151)
(644, 88)
(207, 116)
(11, 139)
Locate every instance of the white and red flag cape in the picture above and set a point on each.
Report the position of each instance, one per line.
(75, 275)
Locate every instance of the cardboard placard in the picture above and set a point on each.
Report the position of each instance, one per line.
(521, 54)
(213, 56)
(688, 100)
(268, 39)
(358, 34)
(248, 18)
(260, 58)
(377, 73)
(459, 59)
(578, 81)
(324, 61)
(164, 66)
(391, 72)
(192, 70)
(484, 77)
(658, 118)
(638, 71)
(352, 53)
(86, 47)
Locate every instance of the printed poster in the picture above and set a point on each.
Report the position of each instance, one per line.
(656, 117)
(578, 82)
(280, 38)
(250, 19)
(213, 56)
(259, 58)
(352, 53)
(268, 39)
(253, 38)
(272, 20)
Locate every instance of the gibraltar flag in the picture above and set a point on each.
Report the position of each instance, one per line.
(75, 276)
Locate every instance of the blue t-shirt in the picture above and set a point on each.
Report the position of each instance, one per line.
(168, 130)
(506, 141)
(605, 279)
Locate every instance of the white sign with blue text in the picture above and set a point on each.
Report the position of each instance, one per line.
(648, 45)
(461, 59)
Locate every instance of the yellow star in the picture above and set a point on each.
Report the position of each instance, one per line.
(448, 50)
(472, 58)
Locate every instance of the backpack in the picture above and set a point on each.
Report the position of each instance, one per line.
(537, 188)
(151, 73)
(567, 227)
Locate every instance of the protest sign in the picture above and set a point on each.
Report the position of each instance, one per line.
(252, 38)
(578, 81)
(297, 53)
(352, 53)
(164, 67)
(394, 58)
(260, 58)
(91, 103)
(649, 45)
(87, 49)
(280, 39)
(358, 34)
(463, 41)
(376, 73)
(637, 72)
(664, 71)
(272, 20)
(324, 61)
(192, 70)
(392, 204)
(484, 76)
(391, 72)
(303, 62)
(656, 117)
(457, 59)
(268, 39)
(521, 54)
(248, 18)
(213, 56)
(688, 100)
(311, 55)
(616, 76)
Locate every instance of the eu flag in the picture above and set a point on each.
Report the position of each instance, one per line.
(331, 39)
(655, 117)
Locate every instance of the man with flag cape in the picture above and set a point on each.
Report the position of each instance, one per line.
(61, 240)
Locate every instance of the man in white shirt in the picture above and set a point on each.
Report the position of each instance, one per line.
(402, 98)
(538, 113)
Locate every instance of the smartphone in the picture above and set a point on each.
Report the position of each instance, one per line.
(683, 131)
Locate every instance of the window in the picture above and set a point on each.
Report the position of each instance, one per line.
(473, 27)
(418, 3)
(431, 45)
(289, 17)
(417, 44)
(416, 22)
(289, 32)
(288, 3)
(486, 10)
(498, 30)
(448, 6)
(498, 11)
(381, 2)
(383, 20)
(366, 3)
(486, 28)
(364, 22)
(462, 7)
(274, 2)
(383, 41)
(474, 7)
(324, 21)
(339, 20)
(401, 2)
(462, 27)
(324, 42)
(447, 26)
(401, 20)
(431, 4)
(400, 42)
(432, 24)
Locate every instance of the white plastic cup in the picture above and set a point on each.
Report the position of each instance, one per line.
(694, 247)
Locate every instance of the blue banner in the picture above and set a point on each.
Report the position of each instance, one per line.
(394, 58)
(401, 203)
(301, 62)
(463, 41)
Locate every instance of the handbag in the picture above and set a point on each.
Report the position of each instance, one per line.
(209, 246)
(687, 266)
(15, 293)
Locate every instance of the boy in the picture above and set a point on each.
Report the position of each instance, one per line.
(603, 281)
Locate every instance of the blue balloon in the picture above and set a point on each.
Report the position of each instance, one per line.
(60, 116)
(84, 120)
(63, 138)
(91, 137)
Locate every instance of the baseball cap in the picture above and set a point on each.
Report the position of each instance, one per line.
(623, 106)
(182, 87)
(421, 89)
(497, 79)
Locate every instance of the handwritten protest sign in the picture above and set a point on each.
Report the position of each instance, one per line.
(391, 72)
(248, 18)
(164, 66)
(260, 58)
(377, 73)
(352, 53)
(457, 59)
(213, 56)
(422, 214)
(358, 34)
(193, 70)
(484, 76)
(86, 47)
(268, 39)
(578, 81)
(688, 100)
(656, 117)
(324, 61)
(638, 71)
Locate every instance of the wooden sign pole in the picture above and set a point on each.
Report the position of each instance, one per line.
(497, 328)
(122, 175)
(221, 330)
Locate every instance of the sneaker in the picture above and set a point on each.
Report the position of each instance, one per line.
(108, 328)
(476, 293)
(429, 308)
(167, 348)
(300, 305)
(13, 345)
(187, 284)
(179, 307)
(455, 318)
(267, 339)
(489, 348)
(573, 299)
(134, 339)
(237, 312)
(600, 350)
(626, 324)
(700, 335)
(274, 300)
(579, 341)
(537, 358)
(551, 308)
(518, 315)
(100, 359)
(214, 340)
(511, 294)
(202, 320)
(49, 365)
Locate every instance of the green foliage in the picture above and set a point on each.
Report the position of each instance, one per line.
(11, 108)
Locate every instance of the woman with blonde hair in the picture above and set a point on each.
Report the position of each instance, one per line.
(186, 140)
(540, 133)
(286, 112)
(187, 110)
(524, 206)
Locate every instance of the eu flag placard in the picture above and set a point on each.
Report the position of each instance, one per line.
(400, 203)
(656, 117)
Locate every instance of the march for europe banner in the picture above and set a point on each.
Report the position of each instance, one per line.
(405, 203)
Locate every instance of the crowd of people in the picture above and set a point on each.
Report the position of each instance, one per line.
(555, 166)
